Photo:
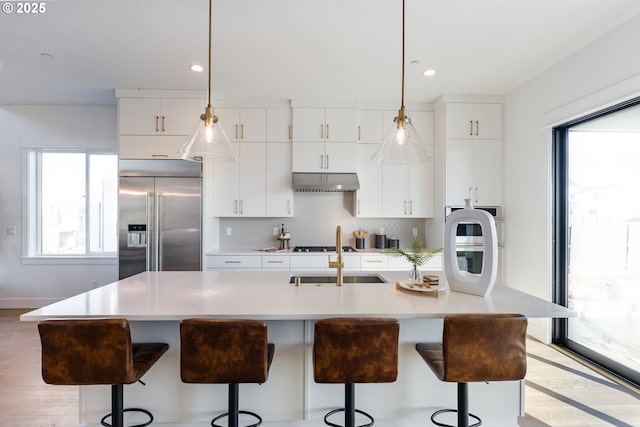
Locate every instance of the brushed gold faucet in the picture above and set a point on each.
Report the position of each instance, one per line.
(339, 262)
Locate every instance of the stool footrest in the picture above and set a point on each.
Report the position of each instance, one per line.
(144, 411)
(357, 411)
(226, 414)
(479, 421)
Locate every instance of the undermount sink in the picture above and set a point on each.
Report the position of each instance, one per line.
(347, 278)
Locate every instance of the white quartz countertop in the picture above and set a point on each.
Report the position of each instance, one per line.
(155, 296)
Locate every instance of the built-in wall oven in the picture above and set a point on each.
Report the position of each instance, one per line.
(470, 243)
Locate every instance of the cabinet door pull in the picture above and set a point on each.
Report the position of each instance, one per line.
(290, 132)
(359, 134)
(477, 127)
(236, 131)
(157, 124)
(321, 161)
(410, 207)
(321, 131)
(358, 207)
(241, 131)
(327, 131)
(470, 127)
(405, 207)
(241, 207)
(163, 123)
(288, 206)
(327, 162)
(476, 199)
(235, 204)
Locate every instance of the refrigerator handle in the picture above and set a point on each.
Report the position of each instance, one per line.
(159, 225)
(150, 231)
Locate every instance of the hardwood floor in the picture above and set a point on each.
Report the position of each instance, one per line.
(559, 390)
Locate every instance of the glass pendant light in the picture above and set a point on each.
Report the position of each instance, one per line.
(402, 144)
(208, 137)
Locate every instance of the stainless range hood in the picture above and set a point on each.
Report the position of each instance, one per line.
(327, 182)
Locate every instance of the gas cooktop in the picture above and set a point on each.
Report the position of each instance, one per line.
(322, 249)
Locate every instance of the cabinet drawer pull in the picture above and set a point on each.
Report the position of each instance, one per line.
(275, 262)
(233, 262)
(373, 261)
(160, 155)
(470, 127)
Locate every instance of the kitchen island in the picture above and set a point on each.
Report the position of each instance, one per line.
(155, 302)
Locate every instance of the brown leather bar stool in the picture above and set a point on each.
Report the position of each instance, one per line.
(355, 350)
(216, 351)
(97, 351)
(477, 348)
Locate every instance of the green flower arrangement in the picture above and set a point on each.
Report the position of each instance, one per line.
(416, 255)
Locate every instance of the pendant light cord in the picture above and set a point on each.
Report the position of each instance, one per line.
(402, 103)
(209, 70)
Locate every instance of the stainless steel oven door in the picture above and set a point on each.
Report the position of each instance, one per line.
(470, 234)
(470, 258)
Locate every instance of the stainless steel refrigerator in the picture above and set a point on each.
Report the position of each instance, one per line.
(160, 216)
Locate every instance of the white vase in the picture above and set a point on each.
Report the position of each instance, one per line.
(463, 281)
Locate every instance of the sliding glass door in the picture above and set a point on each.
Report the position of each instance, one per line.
(597, 166)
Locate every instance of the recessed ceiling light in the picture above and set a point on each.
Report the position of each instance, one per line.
(197, 68)
(430, 72)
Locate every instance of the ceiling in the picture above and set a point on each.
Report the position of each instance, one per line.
(79, 51)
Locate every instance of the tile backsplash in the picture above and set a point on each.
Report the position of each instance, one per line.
(314, 223)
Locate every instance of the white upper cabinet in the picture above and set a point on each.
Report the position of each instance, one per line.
(473, 153)
(324, 139)
(158, 116)
(393, 191)
(324, 124)
(154, 124)
(279, 128)
(243, 124)
(279, 192)
(240, 189)
(469, 121)
(368, 199)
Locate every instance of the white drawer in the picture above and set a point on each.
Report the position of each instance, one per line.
(375, 262)
(234, 262)
(275, 261)
(309, 262)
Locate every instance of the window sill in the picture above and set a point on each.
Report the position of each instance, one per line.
(67, 260)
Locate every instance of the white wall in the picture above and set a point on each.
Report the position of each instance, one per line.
(26, 285)
(602, 73)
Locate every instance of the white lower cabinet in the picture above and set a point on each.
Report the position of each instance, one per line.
(234, 262)
(374, 262)
(313, 262)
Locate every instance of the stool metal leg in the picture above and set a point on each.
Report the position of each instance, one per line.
(117, 405)
(233, 404)
(349, 406)
(463, 405)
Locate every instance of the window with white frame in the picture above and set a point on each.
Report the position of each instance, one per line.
(72, 203)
